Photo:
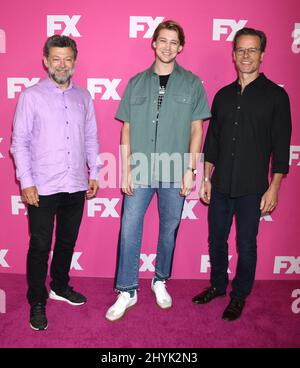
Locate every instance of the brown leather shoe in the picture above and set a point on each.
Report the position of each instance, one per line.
(207, 295)
(233, 310)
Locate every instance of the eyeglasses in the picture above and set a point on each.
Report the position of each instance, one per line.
(242, 51)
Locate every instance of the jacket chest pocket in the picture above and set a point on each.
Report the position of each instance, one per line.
(183, 99)
(137, 100)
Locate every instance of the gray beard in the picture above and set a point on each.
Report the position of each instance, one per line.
(61, 80)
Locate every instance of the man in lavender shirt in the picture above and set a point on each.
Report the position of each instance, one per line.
(54, 144)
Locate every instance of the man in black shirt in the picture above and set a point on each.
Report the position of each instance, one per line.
(251, 123)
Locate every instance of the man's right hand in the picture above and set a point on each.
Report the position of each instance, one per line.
(127, 185)
(31, 196)
(205, 191)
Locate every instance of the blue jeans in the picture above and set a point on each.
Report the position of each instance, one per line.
(170, 205)
(220, 215)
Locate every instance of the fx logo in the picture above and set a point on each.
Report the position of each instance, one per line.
(147, 264)
(2, 301)
(2, 42)
(296, 303)
(138, 23)
(17, 84)
(292, 264)
(17, 205)
(205, 263)
(188, 212)
(294, 154)
(106, 87)
(1, 156)
(222, 26)
(106, 206)
(3, 262)
(74, 264)
(296, 39)
(54, 23)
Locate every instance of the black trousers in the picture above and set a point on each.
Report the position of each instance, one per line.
(220, 214)
(67, 209)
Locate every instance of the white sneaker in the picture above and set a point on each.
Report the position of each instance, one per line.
(163, 298)
(124, 302)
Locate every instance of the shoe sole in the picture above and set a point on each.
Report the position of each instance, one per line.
(219, 296)
(164, 307)
(230, 320)
(54, 296)
(122, 315)
(38, 329)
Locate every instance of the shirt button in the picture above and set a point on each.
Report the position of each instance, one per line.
(68, 153)
(233, 138)
(67, 122)
(232, 154)
(236, 123)
(66, 107)
(238, 107)
(153, 121)
(67, 137)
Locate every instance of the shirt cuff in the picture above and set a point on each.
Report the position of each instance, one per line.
(94, 173)
(27, 182)
(280, 168)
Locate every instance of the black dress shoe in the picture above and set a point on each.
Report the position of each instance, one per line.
(233, 310)
(207, 295)
(38, 319)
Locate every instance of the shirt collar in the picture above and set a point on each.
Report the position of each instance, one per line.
(151, 72)
(257, 82)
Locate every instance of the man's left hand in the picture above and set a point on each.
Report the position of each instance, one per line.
(187, 183)
(93, 187)
(269, 201)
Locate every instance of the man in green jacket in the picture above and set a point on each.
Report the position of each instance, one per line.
(162, 110)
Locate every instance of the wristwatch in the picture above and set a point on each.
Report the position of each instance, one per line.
(194, 171)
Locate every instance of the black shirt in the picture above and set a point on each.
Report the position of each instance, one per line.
(245, 130)
(163, 80)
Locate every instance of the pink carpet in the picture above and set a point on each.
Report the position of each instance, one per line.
(267, 320)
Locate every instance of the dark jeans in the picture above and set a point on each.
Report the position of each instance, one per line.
(220, 215)
(68, 210)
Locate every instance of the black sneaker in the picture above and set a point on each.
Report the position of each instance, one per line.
(38, 319)
(70, 296)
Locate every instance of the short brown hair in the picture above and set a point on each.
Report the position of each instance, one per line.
(59, 41)
(251, 32)
(173, 26)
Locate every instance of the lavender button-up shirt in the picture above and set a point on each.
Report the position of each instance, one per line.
(55, 138)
